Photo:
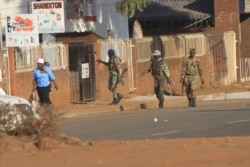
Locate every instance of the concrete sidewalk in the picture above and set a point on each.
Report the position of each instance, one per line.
(225, 96)
(142, 102)
(216, 96)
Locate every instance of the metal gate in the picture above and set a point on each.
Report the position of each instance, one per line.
(222, 57)
(245, 69)
(82, 73)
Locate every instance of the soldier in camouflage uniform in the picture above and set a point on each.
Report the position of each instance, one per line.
(191, 68)
(160, 72)
(114, 66)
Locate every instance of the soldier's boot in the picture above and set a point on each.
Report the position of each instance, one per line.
(161, 104)
(193, 102)
(120, 96)
(189, 102)
(114, 102)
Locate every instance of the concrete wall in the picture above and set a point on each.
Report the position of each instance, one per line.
(107, 19)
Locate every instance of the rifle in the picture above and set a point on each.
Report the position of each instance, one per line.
(183, 88)
(169, 91)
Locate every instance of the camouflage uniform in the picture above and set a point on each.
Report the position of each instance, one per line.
(160, 72)
(114, 75)
(191, 68)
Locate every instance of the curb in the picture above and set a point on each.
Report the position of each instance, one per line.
(146, 102)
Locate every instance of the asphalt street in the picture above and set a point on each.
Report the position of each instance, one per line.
(217, 118)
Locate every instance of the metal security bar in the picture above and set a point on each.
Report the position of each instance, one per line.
(173, 46)
(245, 69)
(26, 57)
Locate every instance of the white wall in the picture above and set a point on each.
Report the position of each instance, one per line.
(8, 7)
(107, 18)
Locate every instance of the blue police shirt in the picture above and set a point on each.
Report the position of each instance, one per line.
(43, 79)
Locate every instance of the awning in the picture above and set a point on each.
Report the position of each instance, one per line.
(163, 10)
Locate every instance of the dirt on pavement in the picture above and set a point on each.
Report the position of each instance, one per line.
(72, 152)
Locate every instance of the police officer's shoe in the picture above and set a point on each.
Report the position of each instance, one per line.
(161, 104)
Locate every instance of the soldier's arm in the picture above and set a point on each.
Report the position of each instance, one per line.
(149, 69)
(103, 62)
(145, 72)
(183, 71)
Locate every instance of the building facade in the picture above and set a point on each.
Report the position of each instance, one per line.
(86, 40)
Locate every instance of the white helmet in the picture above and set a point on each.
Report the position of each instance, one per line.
(157, 53)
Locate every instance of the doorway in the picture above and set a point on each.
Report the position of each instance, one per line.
(82, 72)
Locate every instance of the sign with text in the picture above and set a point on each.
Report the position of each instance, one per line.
(1, 34)
(85, 70)
(21, 30)
(50, 16)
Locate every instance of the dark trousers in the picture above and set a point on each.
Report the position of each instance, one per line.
(43, 93)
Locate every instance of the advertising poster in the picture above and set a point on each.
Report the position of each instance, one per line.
(1, 41)
(21, 30)
(50, 16)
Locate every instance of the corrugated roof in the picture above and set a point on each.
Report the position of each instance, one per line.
(176, 10)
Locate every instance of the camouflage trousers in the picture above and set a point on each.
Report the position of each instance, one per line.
(190, 82)
(159, 84)
(112, 84)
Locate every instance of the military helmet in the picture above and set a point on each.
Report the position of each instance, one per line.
(157, 53)
(192, 50)
(111, 53)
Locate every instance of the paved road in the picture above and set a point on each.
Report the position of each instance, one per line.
(209, 119)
